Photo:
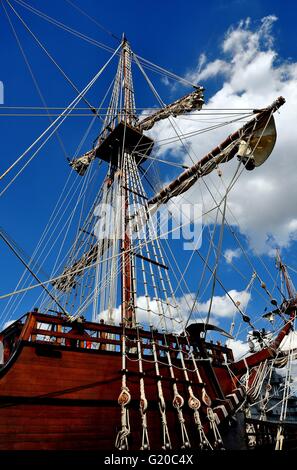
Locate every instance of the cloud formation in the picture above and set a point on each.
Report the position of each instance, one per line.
(222, 307)
(239, 348)
(252, 75)
(230, 254)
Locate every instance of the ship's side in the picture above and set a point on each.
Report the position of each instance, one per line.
(58, 391)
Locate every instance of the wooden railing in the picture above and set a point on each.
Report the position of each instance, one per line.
(58, 330)
(264, 433)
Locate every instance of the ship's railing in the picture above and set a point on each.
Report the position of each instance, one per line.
(41, 328)
(263, 433)
(218, 352)
(12, 325)
(9, 338)
(58, 330)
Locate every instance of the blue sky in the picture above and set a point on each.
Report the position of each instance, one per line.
(173, 34)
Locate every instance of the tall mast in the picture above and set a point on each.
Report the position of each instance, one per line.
(129, 101)
(128, 275)
(123, 146)
(283, 268)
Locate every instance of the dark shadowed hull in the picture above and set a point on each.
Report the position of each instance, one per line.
(62, 398)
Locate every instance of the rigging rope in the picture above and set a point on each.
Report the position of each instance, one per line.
(58, 120)
(51, 58)
(214, 271)
(33, 79)
(94, 21)
(124, 399)
(146, 63)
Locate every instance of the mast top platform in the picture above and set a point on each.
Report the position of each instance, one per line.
(124, 138)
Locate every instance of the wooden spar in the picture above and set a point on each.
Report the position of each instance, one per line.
(127, 278)
(186, 104)
(127, 281)
(196, 171)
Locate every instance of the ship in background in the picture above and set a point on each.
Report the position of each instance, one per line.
(80, 373)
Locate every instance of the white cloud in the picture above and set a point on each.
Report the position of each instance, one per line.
(238, 347)
(145, 318)
(230, 254)
(263, 201)
(165, 81)
(212, 69)
(222, 306)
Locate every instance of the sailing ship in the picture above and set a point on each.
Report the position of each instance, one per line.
(79, 373)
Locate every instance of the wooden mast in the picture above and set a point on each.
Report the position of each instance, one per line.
(128, 288)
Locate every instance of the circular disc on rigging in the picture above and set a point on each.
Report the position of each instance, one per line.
(263, 141)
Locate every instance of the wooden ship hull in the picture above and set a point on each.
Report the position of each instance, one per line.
(58, 393)
(70, 384)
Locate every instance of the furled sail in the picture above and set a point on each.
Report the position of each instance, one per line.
(81, 164)
(186, 104)
(67, 281)
(252, 143)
